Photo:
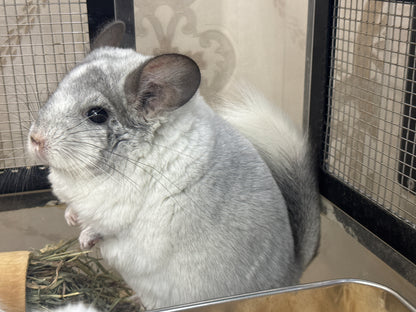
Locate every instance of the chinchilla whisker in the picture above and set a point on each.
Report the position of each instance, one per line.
(24, 126)
(24, 100)
(103, 161)
(133, 183)
(180, 153)
(141, 165)
(10, 154)
(71, 158)
(78, 124)
(66, 130)
(92, 164)
(64, 137)
(23, 95)
(86, 131)
(27, 97)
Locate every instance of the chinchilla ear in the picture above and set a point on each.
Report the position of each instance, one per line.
(163, 83)
(111, 35)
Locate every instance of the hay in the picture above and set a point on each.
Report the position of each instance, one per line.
(60, 274)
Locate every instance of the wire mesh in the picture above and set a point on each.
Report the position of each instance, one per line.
(39, 41)
(371, 41)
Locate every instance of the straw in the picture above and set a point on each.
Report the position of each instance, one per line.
(60, 274)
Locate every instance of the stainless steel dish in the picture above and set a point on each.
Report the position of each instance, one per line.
(336, 295)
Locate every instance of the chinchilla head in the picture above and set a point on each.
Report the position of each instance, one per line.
(110, 103)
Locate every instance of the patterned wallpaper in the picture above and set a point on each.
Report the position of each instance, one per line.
(259, 42)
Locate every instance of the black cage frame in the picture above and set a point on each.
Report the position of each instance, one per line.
(17, 181)
(399, 236)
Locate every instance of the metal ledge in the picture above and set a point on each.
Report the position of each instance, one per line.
(336, 295)
(25, 200)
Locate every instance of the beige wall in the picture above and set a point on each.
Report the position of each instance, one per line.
(257, 42)
(260, 42)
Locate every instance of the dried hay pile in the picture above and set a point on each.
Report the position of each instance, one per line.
(59, 274)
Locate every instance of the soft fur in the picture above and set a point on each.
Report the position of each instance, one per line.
(288, 155)
(181, 203)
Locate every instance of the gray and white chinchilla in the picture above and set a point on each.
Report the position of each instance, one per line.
(187, 203)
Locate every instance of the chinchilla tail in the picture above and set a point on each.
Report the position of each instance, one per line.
(287, 153)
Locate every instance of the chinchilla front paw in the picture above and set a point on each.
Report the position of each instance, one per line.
(71, 217)
(88, 238)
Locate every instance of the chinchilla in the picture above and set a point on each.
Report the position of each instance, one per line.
(185, 205)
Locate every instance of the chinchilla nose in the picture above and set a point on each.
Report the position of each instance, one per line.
(37, 146)
(37, 140)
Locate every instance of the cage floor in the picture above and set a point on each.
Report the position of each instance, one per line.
(340, 256)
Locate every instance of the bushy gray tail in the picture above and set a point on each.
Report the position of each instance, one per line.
(287, 154)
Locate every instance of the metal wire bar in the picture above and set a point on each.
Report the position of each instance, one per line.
(367, 91)
(39, 41)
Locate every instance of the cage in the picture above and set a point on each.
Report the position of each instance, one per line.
(362, 117)
(41, 41)
(360, 107)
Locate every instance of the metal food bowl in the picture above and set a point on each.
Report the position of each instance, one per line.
(337, 295)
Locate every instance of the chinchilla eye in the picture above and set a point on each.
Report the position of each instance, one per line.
(97, 115)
